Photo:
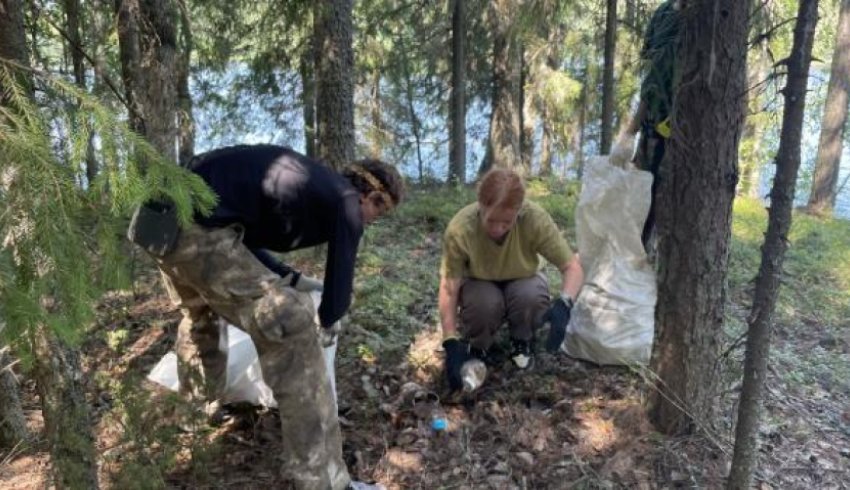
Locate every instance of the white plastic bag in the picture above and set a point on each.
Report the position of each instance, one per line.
(244, 375)
(613, 319)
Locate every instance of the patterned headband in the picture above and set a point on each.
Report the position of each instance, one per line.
(374, 183)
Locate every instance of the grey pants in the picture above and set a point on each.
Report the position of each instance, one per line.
(209, 273)
(485, 305)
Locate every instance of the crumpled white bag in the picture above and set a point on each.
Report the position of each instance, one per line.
(613, 319)
(244, 375)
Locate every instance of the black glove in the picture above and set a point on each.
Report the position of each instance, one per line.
(558, 317)
(457, 353)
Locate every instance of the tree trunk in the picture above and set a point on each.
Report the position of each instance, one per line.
(697, 183)
(752, 148)
(12, 47)
(545, 147)
(773, 250)
(375, 112)
(13, 41)
(528, 113)
(825, 180)
(147, 39)
(335, 81)
(582, 131)
(185, 109)
(415, 123)
(608, 94)
(56, 372)
(13, 425)
(457, 97)
(503, 145)
(67, 422)
(308, 99)
(75, 38)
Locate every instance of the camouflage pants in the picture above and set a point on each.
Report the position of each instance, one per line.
(210, 273)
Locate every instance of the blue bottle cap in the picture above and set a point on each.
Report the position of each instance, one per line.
(439, 424)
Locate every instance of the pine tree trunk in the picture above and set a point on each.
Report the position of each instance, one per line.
(185, 111)
(56, 372)
(825, 181)
(581, 132)
(147, 40)
(773, 250)
(608, 94)
(545, 147)
(308, 99)
(457, 97)
(528, 114)
(375, 112)
(694, 210)
(75, 38)
(504, 142)
(415, 123)
(334, 81)
(751, 156)
(13, 425)
(67, 422)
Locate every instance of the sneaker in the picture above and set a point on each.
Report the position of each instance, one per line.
(359, 485)
(521, 353)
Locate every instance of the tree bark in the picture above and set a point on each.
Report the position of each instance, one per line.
(697, 183)
(13, 425)
(457, 97)
(773, 250)
(147, 39)
(333, 33)
(608, 94)
(828, 163)
(504, 141)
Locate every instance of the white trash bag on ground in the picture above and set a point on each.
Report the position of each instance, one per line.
(613, 319)
(244, 375)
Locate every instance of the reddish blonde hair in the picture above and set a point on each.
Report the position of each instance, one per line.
(501, 188)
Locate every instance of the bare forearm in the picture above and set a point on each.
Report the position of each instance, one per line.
(448, 296)
(572, 277)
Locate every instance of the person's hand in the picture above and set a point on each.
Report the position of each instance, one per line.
(307, 284)
(558, 316)
(457, 353)
(302, 283)
(328, 335)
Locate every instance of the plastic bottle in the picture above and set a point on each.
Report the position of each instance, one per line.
(472, 373)
(439, 421)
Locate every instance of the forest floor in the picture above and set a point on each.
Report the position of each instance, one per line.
(565, 424)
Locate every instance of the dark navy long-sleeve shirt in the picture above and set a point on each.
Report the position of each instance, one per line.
(286, 201)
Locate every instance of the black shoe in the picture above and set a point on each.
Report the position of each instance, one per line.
(521, 353)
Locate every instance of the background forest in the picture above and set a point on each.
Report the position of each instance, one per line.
(100, 99)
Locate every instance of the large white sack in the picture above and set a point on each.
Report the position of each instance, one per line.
(613, 318)
(244, 375)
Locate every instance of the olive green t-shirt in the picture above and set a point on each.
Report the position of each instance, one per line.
(469, 252)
